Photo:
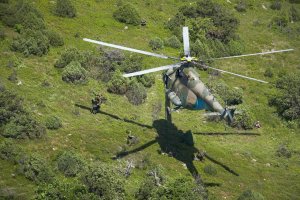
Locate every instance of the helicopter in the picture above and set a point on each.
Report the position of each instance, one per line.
(183, 87)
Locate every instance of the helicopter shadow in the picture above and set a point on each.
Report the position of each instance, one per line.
(178, 144)
(115, 117)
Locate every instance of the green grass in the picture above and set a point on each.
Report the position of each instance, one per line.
(99, 137)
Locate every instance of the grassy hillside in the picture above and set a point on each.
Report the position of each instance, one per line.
(242, 161)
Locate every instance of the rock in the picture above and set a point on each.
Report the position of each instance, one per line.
(253, 160)
(268, 165)
(126, 27)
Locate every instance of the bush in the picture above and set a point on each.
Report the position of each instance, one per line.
(55, 39)
(53, 122)
(243, 119)
(118, 84)
(173, 42)
(127, 14)
(209, 169)
(241, 6)
(276, 5)
(156, 43)
(279, 21)
(4, 1)
(35, 169)
(147, 80)
(146, 189)
(294, 14)
(283, 151)
(23, 126)
(74, 73)
(69, 55)
(287, 98)
(13, 77)
(132, 64)
(104, 181)
(10, 106)
(181, 188)
(9, 151)
(269, 73)
(33, 22)
(2, 34)
(70, 164)
(31, 43)
(136, 93)
(65, 8)
(251, 195)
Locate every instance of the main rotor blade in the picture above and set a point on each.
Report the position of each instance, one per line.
(254, 54)
(129, 49)
(186, 41)
(147, 71)
(247, 77)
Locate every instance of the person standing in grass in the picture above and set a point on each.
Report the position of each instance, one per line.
(96, 103)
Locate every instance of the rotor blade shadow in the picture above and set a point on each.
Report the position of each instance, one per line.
(116, 117)
(226, 133)
(126, 153)
(222, 165)
(212, 184)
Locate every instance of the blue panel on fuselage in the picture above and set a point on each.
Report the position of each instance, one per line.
(200, 105)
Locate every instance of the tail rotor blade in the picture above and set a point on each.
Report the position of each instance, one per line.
(239, 75)
(147, 71)
(129, 49)
(186, 41)
(254, 54)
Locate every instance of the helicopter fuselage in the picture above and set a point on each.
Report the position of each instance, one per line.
(185, 89)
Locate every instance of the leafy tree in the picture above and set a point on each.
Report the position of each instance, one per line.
(70, 164)
(65, 8)
(118, 84)
(156, 43)
(104, 181)
(127, 14)
(287, 99)
(74, 73)
(53, 122)
(36, 169)
(31, 43)
(251, 195)
(136, 93)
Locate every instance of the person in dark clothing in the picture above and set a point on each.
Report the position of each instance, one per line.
(96, 103)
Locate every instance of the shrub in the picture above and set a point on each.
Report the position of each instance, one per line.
(283, 151)
(55, 39)
(35, 169)
(269, 73)
(147, 80)
(173, 42)
(4, 1)
(241, 6)
(181, 188)
(136, 93)
(127, 14)
(33, 22)
(53, 122)
(2, 34)
(10, 106)
(276, 5)
(70, 164)
(209, 169)
(104, 181)
(251, 195)
(156, 43)
(74, 73)
(287, 98)
(13, 77)
(132, 64)
(31, 43)
(146, 189)
(243, 119)
(65, 8)
(69, 55)
(279, 21)
(294, 14)
(9, 151)
(118, 84)
(200, 49)
(23, 126)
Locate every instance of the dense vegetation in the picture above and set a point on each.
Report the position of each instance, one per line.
(127, 150)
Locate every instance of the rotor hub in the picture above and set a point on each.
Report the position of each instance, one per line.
(189, 59)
